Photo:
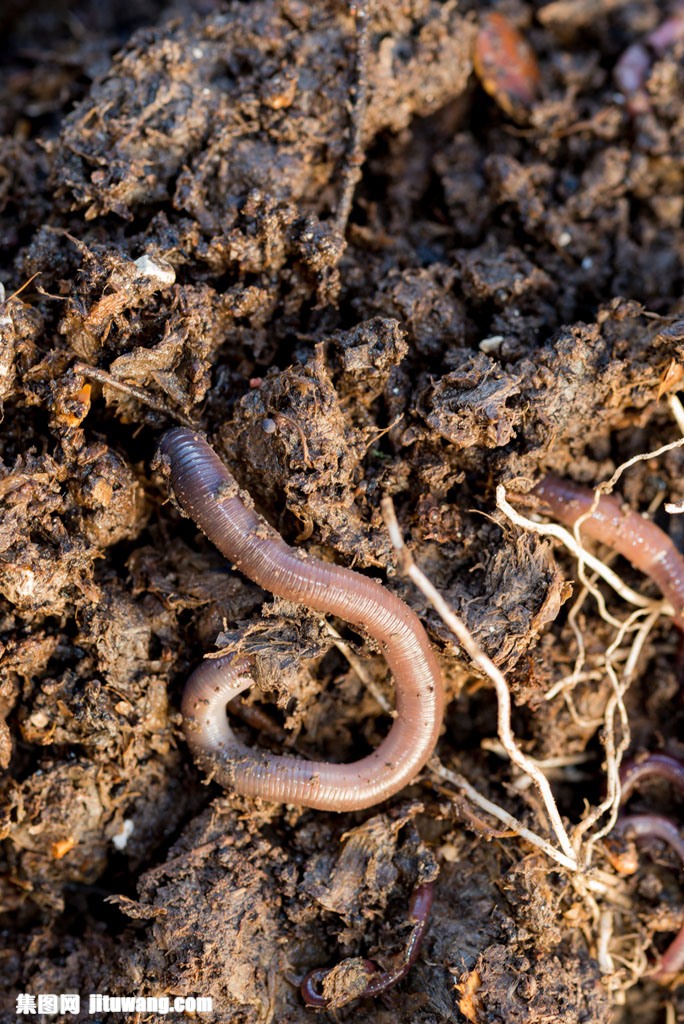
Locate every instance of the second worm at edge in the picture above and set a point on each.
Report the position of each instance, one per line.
(611, 522)
(207, 493)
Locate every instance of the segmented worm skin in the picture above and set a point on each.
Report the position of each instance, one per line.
(643, 543)
(207, 493)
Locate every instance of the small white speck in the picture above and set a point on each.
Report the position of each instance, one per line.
(587, 263)
(26, 582)
(197, 52)
(206, 91)
(565, 238)
(147, 267)
(491, 344)
(122, 837)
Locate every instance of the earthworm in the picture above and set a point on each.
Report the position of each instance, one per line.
(634, 65)
(658, 765)
(648, 826)
(639, 540)
(208, 494)
(419, 912)
(651, 551)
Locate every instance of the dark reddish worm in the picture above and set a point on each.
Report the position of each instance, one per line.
(419, 912)
(643, 543)
(207, 493)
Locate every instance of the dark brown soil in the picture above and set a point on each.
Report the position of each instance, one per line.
(504, 299)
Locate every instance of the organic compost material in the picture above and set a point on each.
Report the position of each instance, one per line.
(424, 250)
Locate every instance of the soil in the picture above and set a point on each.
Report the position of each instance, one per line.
(504, 299)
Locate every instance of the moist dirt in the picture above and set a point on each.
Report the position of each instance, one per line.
(504, 299)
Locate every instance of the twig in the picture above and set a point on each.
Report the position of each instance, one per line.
(4, 301)
(355, 154)
(608, 485)
(562, 761)
(487, 666)
(360, 669)
(102, 377)
(615, 752)
(459, 782)
(600, 568)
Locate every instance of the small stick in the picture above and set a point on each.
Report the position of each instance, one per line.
(359, 668)
(566, 538)
(487, 666)
(102, 377)
(355, 156)
(502, 815)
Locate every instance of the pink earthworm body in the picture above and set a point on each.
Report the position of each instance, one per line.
(209, 495)
(651, 551)
(380, 981)
(639, 540)
(656, 826)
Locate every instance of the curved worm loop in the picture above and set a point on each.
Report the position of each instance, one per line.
(651, 551)
(312, 983)
(639, 540)
(655, 826)
(654, 766)
(420, 905)
(207, 493)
